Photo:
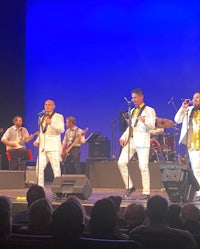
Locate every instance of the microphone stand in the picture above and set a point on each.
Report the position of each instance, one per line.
(113, 146)
(176, 109)
(171, 101)
(129, 125)
(38, 158)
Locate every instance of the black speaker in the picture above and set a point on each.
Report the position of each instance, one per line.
(123, 120)
(77, 185)
(99, 150)
(179, 182)
(1, 162)
(11, 179)
(31, 177)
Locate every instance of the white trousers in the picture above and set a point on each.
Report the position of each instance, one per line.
(194, 156)
(143, 159)
(44, 157)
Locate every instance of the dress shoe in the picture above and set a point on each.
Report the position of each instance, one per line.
(144, 197)
(129, 192)
(197, 198)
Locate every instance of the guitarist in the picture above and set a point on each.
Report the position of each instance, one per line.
(16, 137)
(73, 136)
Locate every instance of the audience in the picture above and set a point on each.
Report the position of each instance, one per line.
(158, 226)
(117, 202)
(173, 217)
(39, 218)
(157, 233)
(35, 192)
(67, 223)
(5, 217)
(103, 220)
(190, 218)
(134, 215)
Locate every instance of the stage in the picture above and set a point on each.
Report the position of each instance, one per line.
(100, 179)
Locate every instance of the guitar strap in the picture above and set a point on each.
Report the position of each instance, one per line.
(139, 113)
(136, 121)
(74, 137)
(44, 129)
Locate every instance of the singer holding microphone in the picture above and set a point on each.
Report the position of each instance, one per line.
(51, 125)
(189, 116)
(136, 138)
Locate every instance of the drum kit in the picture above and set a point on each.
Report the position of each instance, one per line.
(163, 145)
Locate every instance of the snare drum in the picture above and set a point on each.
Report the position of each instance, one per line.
(154, 143)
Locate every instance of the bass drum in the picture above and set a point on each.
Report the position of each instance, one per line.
(155, 150)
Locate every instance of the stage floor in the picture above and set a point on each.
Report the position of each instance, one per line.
(19, 203)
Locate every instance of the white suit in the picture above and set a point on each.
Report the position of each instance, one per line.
(140, 143)
(50, 147)
(183, 116)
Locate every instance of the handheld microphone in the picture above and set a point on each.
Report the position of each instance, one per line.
(188, 101)
(41, 113)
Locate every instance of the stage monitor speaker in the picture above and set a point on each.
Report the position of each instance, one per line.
(179, 182)
(99, 150)
(77, 185)
(31, 177)
(1, 162)
(11, 179)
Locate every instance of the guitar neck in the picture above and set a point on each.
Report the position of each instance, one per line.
(75, 141)
(72, 145)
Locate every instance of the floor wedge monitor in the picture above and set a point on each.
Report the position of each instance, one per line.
(77, 185)
(179, 182)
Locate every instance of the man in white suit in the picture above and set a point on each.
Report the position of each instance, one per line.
(189, 116)
(49, 141)
(136, 138)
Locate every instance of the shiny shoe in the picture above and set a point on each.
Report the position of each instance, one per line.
(197, 198)
(144, 197)
(129, 192)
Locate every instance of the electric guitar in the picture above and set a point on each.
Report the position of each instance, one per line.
(20, 142)
(65, 152)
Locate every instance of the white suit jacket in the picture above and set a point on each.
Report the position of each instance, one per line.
(182, 116)
(141, 133)
(51, 139)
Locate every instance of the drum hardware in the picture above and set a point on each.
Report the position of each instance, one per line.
(155, 150)
(156, 131)
(163, 147)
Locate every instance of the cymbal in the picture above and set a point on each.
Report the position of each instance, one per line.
(164, 123)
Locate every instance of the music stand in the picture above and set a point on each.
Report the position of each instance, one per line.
(19, 155)
(92, 137)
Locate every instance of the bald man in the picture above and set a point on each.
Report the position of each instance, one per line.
(51, 127)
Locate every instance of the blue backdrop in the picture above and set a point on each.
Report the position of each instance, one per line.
(88, 55)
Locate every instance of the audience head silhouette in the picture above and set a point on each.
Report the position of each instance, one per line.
(157, 209)
(173, 216)
(103, 218)
(35, 192)
(40, 216)
(5, 217)
(190, 218)
(67, 221)
(134, 215)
